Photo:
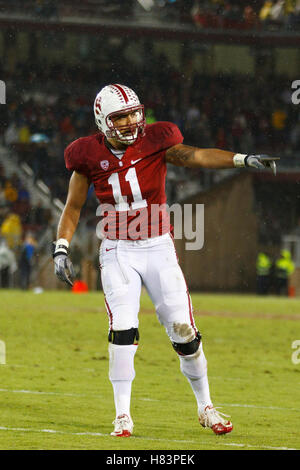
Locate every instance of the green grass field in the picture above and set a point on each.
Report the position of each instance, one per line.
(55, 392)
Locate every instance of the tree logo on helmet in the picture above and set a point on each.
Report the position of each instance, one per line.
(98, 105)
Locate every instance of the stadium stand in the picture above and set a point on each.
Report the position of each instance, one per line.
(50, 101)
(42, 120)
(220, 14)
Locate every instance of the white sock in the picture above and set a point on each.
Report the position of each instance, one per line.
(201, 390)
(122, 396)
(194, 367)
(121, 375)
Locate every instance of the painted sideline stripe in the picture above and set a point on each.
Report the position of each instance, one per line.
(99, 434)
(81, 395)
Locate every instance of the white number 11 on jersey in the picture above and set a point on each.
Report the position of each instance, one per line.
(121, 204)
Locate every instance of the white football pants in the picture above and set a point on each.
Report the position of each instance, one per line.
(126, 264)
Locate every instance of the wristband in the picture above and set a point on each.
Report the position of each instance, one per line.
(239, 160)
(61, 247)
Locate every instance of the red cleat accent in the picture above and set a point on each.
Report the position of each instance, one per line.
(123, 426)
(123, 434)
(212, 418)
(222, 428)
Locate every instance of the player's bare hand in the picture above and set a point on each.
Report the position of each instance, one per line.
(63, 269)
(261, 162)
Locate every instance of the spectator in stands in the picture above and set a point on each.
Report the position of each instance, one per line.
(26, 261)
(11, 230)
(37, 214)
(10, 193)
(24, 134)
(23, 194)
(278, 10)
(239, 126)
(8, 264)
(2, 176)
(265, 11)
(284, 268)
(263, 273)
(40, 163)
(11, 135)
(279, 123)
(192, 115)
(293, 15)
(3, 201)
(46, 9)
(250, 17)
(199, 16)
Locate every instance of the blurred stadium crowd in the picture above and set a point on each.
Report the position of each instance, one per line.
(51, 104)
(20, 224)
(240, 14)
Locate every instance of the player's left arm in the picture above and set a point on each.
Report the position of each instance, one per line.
(194, 157)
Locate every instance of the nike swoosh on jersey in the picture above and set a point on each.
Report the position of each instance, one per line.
(109, 249)
(135, 161)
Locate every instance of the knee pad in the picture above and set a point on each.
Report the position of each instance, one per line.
(124, 337)
(186, 349)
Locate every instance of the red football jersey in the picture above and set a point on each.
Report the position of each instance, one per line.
(131, 190)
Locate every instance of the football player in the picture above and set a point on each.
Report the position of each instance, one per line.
(126, 163)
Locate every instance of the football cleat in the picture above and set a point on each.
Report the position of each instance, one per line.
(123, 426)
(212, 418)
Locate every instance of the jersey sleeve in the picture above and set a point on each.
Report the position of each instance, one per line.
(75, 159)
(169, 135)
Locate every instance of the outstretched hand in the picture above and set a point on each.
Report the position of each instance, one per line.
(261, 162)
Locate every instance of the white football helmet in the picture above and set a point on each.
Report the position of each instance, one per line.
(114, 100)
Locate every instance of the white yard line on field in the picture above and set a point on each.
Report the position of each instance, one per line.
(36, 392)
(81, 395)
(37, 366)
(98, 434)
(239, 405)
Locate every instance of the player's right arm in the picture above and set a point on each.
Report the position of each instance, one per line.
(77, 193)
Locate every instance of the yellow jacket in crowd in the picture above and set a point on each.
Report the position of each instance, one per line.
(263, 264)
(284, 265)
(11, 230)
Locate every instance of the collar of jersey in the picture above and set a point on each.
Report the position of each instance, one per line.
(117, 153)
